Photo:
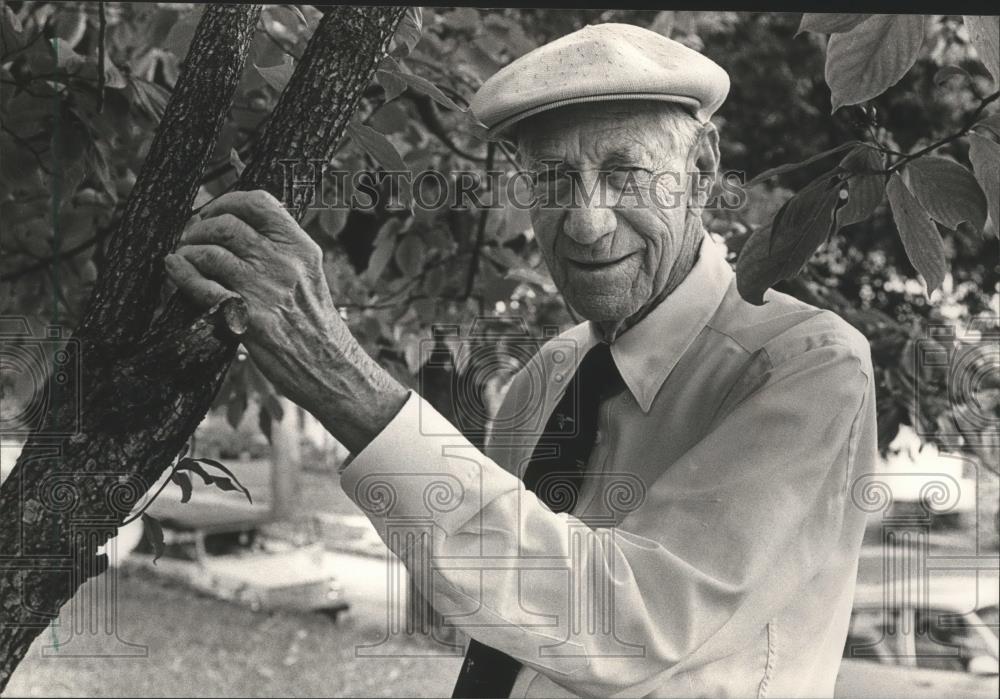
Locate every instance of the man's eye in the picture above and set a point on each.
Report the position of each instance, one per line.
(552, 179)
(624, 174)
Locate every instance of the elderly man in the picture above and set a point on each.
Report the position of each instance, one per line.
(664, 506)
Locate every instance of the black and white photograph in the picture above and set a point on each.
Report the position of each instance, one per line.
(508, 351)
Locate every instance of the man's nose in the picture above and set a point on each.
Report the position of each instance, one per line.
(588, 219)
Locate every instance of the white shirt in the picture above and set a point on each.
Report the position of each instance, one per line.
(715, 551)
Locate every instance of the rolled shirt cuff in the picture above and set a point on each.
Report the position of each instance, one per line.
(420, 467)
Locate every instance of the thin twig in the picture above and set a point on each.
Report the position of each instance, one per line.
(101, 77)
(27, 146)
(44, 262)
(947, 139)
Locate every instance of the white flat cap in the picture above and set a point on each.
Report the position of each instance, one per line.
(600, 63)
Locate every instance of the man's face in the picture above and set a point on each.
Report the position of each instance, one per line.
(609, 258)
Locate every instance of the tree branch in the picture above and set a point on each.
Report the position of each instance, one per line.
(947, 139)
(160, 201)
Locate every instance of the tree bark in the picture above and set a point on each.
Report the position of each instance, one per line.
(132, 388)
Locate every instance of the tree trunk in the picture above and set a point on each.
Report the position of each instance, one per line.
(129, 390)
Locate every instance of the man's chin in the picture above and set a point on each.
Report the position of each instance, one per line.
(602, 309)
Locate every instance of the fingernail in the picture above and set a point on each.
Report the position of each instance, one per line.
(170, 260)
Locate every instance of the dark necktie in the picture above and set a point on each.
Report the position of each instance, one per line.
(569, 434)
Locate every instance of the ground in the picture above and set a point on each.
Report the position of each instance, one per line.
(201, 646)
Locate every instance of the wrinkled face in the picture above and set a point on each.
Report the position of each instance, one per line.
(614, 228)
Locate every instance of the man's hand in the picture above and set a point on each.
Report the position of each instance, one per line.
(247, 243)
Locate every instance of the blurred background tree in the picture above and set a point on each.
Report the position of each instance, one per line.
(84, 85)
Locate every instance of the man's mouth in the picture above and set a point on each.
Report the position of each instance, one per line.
(597, 265)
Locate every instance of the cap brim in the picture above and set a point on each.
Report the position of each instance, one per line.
(498, 132)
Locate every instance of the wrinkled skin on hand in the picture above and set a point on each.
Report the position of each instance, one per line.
(247, 243)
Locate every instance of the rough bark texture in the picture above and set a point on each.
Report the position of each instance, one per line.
(346, 48)
(121, 307)
(131, 390)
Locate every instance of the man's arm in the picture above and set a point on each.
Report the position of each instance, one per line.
(723, 542)
(247, 243)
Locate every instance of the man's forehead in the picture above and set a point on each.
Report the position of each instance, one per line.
(611, 132)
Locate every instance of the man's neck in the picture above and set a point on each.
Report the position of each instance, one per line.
(683, 264)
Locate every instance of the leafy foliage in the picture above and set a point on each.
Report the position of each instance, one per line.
(848, 211)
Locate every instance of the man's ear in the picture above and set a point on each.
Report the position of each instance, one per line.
(703, 165)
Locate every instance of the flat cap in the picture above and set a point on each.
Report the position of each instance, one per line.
(598, 63)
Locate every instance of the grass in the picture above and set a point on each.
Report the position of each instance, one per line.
(201, 646)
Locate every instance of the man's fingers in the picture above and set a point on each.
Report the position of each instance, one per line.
(203, 292)
(258, 209)
(216, 262)
(226, 230)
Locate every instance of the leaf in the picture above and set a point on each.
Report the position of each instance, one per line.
(408, 32)
(235, 408)
(236, 162)
(829, 22)
(67, 59)
(46, 56)
(920, 237)
(426, 87)
(865, 187)
(378, 147)
(385, 244)
(984, 33)
(113, 77)
(434, 281)
(865, 193)
(98, 161)
(332, 220)
(780, 250)
(274, 406)
(390, 119)
(153, 533)
(230, 474)
(222, 483)
(184, 483)
(872, 57)
(985, 157)
(949, 72)
(410, 254)
(298, 14)
(947, 191)
(150, 96)
(10, 31)
(264, 422)
(789, 167)
(391, 83)
(69, 26)
(182, 32)
(511, 33)
(991, 122)
(277, 76)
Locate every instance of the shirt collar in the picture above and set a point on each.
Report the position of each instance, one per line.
(646, 353)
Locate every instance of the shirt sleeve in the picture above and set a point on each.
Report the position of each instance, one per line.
(733, 527)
